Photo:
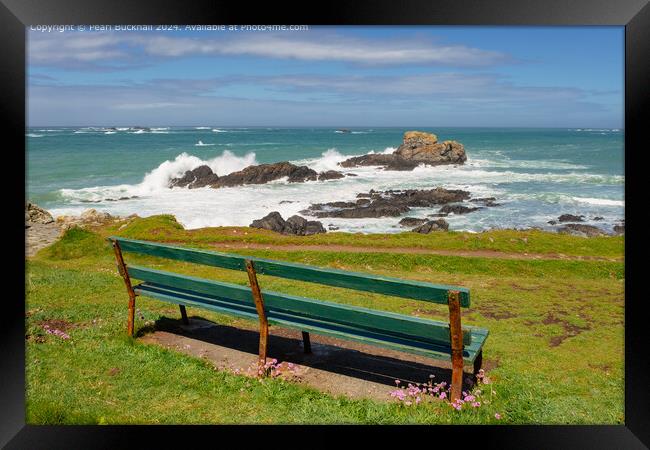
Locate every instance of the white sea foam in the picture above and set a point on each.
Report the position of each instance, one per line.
(202, 144)
(241, 205)
(217, 130)
(34, 135)
(157, 181)
(110, 132)
(599, 201)
(202, 128)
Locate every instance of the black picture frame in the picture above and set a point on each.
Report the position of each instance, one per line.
(15, 15)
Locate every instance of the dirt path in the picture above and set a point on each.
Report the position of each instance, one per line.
(39, 236)
(224, 246)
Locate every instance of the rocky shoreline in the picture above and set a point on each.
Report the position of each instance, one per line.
(417, 148)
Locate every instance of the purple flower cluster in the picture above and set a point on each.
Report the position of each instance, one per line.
(414, 394)
(56, 332)
(271, 368)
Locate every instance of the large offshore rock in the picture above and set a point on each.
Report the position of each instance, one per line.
(417, 148)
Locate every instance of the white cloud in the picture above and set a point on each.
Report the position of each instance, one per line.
(116, 48)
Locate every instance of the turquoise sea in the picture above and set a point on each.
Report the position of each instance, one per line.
(535, 174)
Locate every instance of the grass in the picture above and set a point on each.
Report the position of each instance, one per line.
(165, 228)
(555, 347)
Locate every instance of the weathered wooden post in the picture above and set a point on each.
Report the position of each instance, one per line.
(121, 267)
(456, 333)
(306, 342)
(184, 318)
(259, 305)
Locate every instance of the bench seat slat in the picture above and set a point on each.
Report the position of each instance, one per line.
(417, 290)
(282, 318)
(400, 326)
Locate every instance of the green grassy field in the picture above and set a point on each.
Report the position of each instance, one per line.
(555, 349)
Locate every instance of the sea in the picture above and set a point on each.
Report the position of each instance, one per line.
(535, 174)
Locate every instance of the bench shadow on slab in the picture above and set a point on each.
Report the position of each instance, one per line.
(356, 362)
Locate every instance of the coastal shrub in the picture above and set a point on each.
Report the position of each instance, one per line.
(76, 243)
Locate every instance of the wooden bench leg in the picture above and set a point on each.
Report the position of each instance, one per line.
(478, 362)
(184, 315)
(259, 305)
(456, 345)
(306, 342)
(121, 267)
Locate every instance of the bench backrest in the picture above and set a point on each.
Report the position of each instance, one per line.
(418, 290)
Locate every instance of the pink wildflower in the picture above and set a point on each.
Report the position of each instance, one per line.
(443, 395)
(497, 416)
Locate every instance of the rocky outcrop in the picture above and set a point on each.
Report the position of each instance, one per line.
(293, 225)
(424, 147)
(411, 222)
(570, 218)
(202, 176)
(578, 229)
(417, 148)
(619, 229)
(391, 203)
(91, 218)
(486, 201)
(457, 209)
(264, 173)
(432, 225)
(388, 162)
(330, 175)
(36, 214)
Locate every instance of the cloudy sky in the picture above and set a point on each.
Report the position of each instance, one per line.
(329, 76)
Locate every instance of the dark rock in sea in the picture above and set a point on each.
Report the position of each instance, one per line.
(364, 195)
(352, 174)
(486, 201)
(552, 222)
(411, 222)
(287, 201)
(391, 203)
(578, 229)
(388, 162)
(417, 148)
(570, 218)
(619, 229)
(598, 218)
(202, 176)
(332, 228)
(456, 209)
(330, 175)
(293, 225)
(432, 225)
(437, 215)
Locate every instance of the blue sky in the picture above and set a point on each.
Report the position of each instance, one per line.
(329, 76)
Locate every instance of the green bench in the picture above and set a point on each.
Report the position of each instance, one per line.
(440, 340)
